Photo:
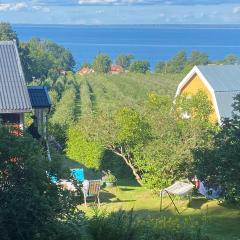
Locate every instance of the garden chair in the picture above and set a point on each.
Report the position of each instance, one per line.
(91, 189)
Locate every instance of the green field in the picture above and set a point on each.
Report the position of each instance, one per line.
(110, 92)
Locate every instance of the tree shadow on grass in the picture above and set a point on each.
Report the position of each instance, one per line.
(197, 203)
(107, 197)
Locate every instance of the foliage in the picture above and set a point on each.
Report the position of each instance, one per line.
(219, 166)
(117, 225)
(177, 63)
(198, 58)
(6, 32)
(122, 225)
(30, 205)
(86, 65)
(168, 157)
(109, 177)
(124, 60)
(83, 150)
(85, 101)
(160, 67)
(101, 63)
(45, 58)
(139, 66)
(231, 59)
(64, 113)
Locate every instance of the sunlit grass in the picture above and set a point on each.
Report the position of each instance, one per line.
(221, 222)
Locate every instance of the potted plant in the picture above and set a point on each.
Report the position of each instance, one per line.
(109, 178)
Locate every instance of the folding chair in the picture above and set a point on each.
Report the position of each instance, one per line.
(91, 189)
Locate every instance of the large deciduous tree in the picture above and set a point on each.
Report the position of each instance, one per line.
(124, 60)
(31, 206)
(102, 63)
(139, 67)
(219, 166)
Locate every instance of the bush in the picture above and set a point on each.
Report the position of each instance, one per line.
(124, 60)
(124, 225)
(119, 225)
(65, 109)
(219, 166)
(140, 67)
(102, 63)
(83, 150)
(30, 205)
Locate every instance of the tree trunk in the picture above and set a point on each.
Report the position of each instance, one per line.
(128, 162)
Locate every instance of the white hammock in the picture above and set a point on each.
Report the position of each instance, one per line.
(180, 188)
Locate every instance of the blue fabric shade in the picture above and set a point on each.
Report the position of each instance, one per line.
(78, 174)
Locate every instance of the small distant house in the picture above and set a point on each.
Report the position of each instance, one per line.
(85, 71)
(221, 83)
(116, 69)
(16, 98)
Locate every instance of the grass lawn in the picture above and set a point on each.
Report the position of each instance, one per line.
(222, 222)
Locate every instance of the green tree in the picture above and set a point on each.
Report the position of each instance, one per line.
(31, 207)
(139, 66)
(45, 58)
(160, 67)
(7, 33)
(82, 150)
(102, 63)
(219, 166)
(169, 157)
(177, 63)
(122, 134)
(198, 58)
(124, 60)
(86, 65)
(231, 59)
(64, 113)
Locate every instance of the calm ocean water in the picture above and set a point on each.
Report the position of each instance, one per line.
(147, 42)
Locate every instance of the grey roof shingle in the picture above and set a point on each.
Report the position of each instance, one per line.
(225, 81)
(14, 97)
(225, 101)
(222, 77)
(39, 97)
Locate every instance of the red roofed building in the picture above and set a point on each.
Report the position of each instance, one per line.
(116, 69)
(85, 71)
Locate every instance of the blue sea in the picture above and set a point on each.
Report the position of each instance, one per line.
(145, 42)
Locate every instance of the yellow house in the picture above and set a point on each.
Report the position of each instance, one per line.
(221, 83)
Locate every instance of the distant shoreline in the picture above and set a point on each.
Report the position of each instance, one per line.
(171, 26)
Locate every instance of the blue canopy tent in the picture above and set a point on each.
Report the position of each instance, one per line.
(78, 174)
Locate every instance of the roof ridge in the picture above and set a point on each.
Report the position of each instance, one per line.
(227, 91)
(9, 42)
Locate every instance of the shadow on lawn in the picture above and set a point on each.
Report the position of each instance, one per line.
(197, 203)
(107, 197)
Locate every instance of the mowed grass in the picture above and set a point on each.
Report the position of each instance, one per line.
(220, 222)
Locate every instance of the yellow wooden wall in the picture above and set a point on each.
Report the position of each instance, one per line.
(193, 86)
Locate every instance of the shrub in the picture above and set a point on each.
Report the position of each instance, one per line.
(83, 150)
(102, 63)
(30, 205)
(119, 225)
(122, 225)
(140, 66)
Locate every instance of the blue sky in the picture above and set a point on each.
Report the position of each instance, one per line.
(121, 11)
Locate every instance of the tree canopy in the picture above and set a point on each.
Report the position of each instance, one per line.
(102, 63)
(139, 66)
